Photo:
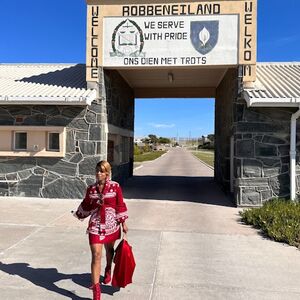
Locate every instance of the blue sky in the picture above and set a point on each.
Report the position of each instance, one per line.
(54, 31)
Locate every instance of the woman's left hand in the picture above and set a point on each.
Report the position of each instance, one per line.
(125, 228)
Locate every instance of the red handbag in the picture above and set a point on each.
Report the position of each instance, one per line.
(124, 265)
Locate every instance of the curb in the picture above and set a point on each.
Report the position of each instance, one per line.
(138, 167)
(209, 166)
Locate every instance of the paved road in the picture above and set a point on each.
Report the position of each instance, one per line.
(176, 176)
(186, 236)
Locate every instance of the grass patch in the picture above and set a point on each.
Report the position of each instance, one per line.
(207, 156)
(279, 219)
(148, 156)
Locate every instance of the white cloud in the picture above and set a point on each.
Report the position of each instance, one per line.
(156, 125)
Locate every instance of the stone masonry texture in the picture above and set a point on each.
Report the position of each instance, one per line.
(53, 177)
(225, 94)
(261, 146)
(120, 113)
(262, 162)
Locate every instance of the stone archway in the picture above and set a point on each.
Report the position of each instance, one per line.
(150, 50)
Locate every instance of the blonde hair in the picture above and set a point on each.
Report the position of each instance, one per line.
(105, 166)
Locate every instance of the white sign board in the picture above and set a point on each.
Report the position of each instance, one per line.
(170, 41)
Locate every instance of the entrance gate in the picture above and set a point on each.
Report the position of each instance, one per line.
(170, 49)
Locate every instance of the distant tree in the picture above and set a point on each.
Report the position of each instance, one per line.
(153, 138)
(163, 140)
(211, 137)
(207, 142)
(146, 140)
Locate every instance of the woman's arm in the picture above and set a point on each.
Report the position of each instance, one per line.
(124, 226)
(85, 207)
(121, 208)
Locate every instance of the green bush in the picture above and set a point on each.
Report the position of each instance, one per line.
(141, 149)
(137, 150)
(278, 218)
(147, 148)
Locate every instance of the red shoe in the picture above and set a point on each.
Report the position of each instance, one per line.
(107, 275)
(96, 292)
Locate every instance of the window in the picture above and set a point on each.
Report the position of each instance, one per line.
(38, 141)
(20, 141)
(53, 141)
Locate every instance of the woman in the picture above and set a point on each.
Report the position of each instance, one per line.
(104, 203)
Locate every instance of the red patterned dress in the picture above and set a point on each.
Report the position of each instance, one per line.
(106, 210)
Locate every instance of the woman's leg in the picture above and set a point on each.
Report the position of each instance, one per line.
(96, 250)
(109, 249)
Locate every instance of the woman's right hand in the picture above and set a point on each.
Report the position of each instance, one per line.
(125, 228)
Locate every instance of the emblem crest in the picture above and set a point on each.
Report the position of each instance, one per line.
(204, 35)
(127, 39)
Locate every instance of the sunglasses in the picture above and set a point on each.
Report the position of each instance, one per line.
(98, 169)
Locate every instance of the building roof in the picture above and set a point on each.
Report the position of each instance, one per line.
(59, 84)
(277, 84)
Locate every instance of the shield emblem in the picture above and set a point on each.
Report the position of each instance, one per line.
(204, 35)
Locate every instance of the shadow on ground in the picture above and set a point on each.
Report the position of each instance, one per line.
(177, 188)
(47, 277)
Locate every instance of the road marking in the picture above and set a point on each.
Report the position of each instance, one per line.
(138, 167)
(23, 225)
(156, 267)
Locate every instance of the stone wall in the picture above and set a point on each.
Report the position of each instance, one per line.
(119, 101)
(54, 177)
(262, 145)
(86, 143)
(225, 96)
